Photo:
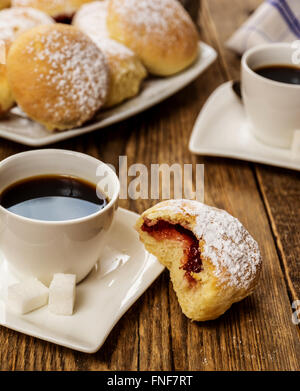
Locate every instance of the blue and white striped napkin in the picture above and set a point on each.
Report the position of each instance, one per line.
(273, 21)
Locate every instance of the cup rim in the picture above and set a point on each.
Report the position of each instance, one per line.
(81, 155)
(259, 77)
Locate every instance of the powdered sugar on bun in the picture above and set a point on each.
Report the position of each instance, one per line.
(91, 19)
(125, 68)
(160, 32)
(68, 75)
(15, 21)
(226, 243)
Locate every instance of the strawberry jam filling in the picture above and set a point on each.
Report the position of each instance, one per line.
(162, 230)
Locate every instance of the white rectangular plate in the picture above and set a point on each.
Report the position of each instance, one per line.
(22, 130)
(101, 299)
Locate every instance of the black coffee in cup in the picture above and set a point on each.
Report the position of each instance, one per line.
(53, 198)
(283, 73)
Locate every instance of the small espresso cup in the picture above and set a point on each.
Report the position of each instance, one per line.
(271, 106)
(36, 248)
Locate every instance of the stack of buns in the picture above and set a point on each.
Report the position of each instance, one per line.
(60, 75)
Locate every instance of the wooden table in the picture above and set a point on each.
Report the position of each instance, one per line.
(256, 334)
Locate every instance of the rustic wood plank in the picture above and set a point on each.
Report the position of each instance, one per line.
(281, 194)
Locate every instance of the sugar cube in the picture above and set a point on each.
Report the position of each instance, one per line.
(62, 294)
(27, 296)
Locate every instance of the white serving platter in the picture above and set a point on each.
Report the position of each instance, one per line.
(222, 129)
(17, 127)
(101, 299)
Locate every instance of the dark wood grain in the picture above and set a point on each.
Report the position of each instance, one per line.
(256, 334)
(281, 193)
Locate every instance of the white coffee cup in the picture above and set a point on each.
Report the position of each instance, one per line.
(273, 107)
(35, 248)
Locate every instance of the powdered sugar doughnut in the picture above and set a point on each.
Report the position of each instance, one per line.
(160, 32)
(58, 76)
(213, 260)
(58, 9)
(125, 69)
(13, 22)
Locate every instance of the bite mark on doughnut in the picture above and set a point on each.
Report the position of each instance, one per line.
(163, 230)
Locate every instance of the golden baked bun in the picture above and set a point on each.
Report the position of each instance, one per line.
(58, 9)
(160, 32)
(13, 22)
(212, 259)
(58, 76)
(4, 4)
(126, 72)
(125, 69)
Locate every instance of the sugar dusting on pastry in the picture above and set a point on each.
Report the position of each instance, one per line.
(91, 18)
(230, 260)
(15, 21)
(231, 249)
(160, 32)
(77, 64)
(64, 74)
(152, 15)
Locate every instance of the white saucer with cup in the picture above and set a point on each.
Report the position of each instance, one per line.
(273, 107)
(36, 248)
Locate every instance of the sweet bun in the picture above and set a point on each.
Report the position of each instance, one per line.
(4, 4)
(125, 69)
(212, 259)
(160, 32)
(58, 9)
(58, 76)
(13, 22)
(126, 72)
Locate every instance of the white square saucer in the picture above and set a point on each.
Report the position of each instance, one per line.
(101, 299)
(222, 129)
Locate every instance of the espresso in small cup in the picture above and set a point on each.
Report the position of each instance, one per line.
(53, 198)
(271, 94)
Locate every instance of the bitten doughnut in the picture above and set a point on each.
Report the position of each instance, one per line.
(13, 22)
(125, 69)
(59, 9)
(58, 76)
(212, 259)
(160, 32)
